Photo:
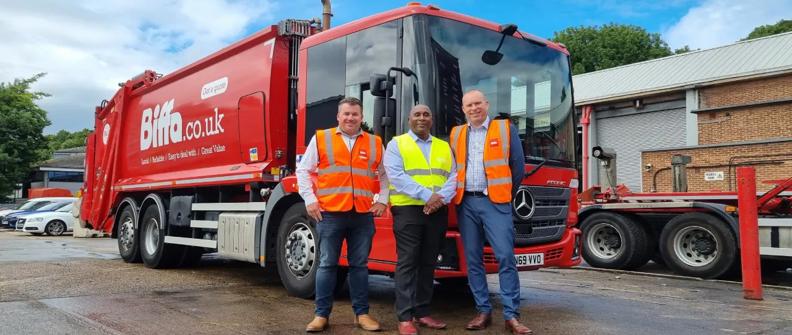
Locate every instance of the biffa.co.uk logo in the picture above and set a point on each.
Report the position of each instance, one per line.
(161, 125)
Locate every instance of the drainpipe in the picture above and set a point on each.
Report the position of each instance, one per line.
(326, 15)
(585, 120)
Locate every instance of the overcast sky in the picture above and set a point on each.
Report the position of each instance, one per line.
(87, 47)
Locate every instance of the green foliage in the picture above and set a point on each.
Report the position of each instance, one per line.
(65, 140)
(770, 29)
(596, 48)
(22, 124)
(682, 50)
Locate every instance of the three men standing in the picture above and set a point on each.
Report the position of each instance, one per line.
(490, 165)
(422, 178)
(346, 160)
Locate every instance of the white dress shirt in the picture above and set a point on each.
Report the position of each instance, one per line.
(310, 161)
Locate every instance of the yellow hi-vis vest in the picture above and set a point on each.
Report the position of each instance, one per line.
(432, 174)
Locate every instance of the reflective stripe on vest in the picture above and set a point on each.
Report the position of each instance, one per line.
(432, 174)
(347, 177)
(496, 160)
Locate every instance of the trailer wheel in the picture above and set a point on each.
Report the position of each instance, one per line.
(698, 244)
(298, 252)
(615, 241)
(153, 250)
(128, 241)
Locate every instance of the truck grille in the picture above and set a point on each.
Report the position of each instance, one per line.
(546, 220)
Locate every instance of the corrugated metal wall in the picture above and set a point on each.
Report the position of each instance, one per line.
(629, 131)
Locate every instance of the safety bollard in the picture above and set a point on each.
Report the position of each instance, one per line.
(749, 233)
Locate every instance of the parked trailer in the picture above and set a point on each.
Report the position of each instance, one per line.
(694, 234)
(202, 160)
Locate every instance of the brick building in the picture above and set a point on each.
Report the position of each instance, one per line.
(725, 107)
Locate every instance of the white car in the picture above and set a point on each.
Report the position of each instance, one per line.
(53, 223)
(32, 205)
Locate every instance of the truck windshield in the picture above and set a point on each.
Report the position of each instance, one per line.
(531, 85)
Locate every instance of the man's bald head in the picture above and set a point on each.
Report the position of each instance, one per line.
(475, 106)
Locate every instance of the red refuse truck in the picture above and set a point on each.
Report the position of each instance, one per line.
(201, 160)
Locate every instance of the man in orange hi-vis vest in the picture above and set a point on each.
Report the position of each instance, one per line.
(490, 166)
(348, 162)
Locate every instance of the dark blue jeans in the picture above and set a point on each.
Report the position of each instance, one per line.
(480, 219)
(358, 230)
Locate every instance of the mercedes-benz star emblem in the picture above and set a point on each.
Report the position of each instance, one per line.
(523, 204)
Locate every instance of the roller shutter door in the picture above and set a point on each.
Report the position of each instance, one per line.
(631, 134)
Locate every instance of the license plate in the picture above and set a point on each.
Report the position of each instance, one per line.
(529, 259)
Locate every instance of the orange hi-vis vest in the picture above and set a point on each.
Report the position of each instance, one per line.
(347, 178)
(496, 160)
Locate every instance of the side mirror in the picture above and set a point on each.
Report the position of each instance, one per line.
(379, 85)
(491, 57)
(383, 119)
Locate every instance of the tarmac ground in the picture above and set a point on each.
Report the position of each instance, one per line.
(63, 285)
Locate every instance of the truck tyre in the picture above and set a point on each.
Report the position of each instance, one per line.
(298, 252)
(128, 240)
(615, 241)
(698, 244)
(55, 228)
(153, 250)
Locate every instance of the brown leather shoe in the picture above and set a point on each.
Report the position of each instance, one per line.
(318, 324)
(407, 328)
(480, 322)
(366, 322)
(515, 327)
(429, 322)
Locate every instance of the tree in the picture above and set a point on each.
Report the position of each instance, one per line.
(22, 124)
(682, 50)
(64, 140)
(770, 29)
(596, 48)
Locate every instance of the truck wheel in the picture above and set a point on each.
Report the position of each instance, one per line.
(55, 228)
(298, 252)
(615, 241)
(128, 241)
(698, 244)
(153, 250)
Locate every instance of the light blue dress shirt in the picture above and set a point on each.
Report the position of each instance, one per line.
(394, 167)
(475, 177)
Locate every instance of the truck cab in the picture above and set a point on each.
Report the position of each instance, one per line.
(424, 55)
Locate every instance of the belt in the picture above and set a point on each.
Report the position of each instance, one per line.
(475, 193)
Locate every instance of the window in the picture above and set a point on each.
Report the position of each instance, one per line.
(326, 73)
(65, 176)
(531, 86)
(343, 67)
(369, 51)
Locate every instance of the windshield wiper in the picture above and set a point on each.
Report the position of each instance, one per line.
(542, 162)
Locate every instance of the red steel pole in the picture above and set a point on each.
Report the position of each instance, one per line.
(585, 120)
(749, 233)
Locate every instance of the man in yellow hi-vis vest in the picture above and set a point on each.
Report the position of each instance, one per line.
(422, 178)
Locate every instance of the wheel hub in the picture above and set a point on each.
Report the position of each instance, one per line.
(57, 228)
(704, 246)
(695, 246)
(152, 236)
(604, 241)
(126, 233)
(300, 250)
